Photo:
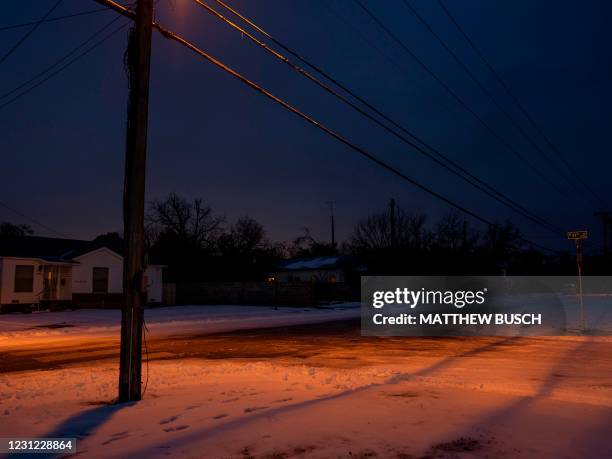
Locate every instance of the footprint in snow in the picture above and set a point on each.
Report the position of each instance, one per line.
(115, 437)
(254, 408)
(168, 420)
(177, 428)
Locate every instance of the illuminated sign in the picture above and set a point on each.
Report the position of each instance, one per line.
(577, 235)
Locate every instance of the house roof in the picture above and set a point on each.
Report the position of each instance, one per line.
(302, 264)
(47, 248)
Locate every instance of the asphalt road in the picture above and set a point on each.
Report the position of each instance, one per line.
(339, 344)
(298, 342)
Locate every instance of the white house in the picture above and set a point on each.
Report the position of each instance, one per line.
(37, 270)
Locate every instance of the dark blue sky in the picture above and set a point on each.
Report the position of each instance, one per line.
(210, 136)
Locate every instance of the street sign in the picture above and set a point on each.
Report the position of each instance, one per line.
(577, 235)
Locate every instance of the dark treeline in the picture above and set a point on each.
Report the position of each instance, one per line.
(198, 244)
(394, 241)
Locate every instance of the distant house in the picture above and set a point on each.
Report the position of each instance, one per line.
(40, 270)
(329, 269)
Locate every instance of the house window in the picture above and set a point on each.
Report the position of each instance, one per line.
(24, 278)
(100, 280)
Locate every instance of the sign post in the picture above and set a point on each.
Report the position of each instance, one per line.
(578, 237)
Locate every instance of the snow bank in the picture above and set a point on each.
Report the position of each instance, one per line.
(166, 320)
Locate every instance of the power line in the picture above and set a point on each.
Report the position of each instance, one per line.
(471, 179)
(63, 67)
(516, 101)
(173, 36)
(29, 32)
(367, 104)
(482, 87)
(60, 60)
(53, 19)
(365, 39)
(30, 219)
(11, 209)
(454, 95)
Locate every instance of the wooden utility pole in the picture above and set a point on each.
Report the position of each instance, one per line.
(138, 65)
(606, 220)
(333, 225)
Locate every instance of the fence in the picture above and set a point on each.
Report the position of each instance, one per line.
(168, 294)
(97, 300)
(263, 293)
(251, 293)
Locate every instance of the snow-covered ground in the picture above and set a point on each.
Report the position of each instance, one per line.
(433, 407)
(165, 320)
(349, 397)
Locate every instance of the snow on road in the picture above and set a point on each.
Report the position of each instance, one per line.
(165, 320)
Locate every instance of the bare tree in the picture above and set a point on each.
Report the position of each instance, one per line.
(246, 236)
(10, 229)
(191, 221)
(503, 240)
(112, 239)
(454, 233)
(383, 230)
(307, 246)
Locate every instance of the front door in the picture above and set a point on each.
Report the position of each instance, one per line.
(50, 283)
